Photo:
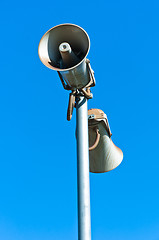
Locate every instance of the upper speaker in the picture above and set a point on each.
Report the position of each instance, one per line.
(50, 43)
(64, 48)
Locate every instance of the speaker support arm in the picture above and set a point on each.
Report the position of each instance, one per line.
(92, 81)
(71, 105)
(87, 93)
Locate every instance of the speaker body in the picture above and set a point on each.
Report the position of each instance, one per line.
(105, 156)
(76, 74)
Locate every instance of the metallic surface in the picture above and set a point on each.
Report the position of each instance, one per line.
(76, 74)
(105, 156)
(84, 222)
(98, 115)
(68, 56)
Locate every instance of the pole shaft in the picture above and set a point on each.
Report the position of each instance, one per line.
(84, 221)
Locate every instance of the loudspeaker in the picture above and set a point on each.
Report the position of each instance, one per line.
(64, 48)
(104, 155)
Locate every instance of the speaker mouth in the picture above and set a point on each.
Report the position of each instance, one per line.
(48, 49)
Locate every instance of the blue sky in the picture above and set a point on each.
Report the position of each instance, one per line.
(38, 197)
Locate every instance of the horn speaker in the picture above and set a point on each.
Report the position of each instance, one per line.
(104, 155)
(64, 48)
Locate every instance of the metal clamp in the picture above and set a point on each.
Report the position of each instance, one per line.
(84, 91)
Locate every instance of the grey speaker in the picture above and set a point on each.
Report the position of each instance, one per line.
(64, 48)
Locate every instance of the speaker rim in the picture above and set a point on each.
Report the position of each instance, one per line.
(64, 69)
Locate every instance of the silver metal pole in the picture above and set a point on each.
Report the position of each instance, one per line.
(84, 221)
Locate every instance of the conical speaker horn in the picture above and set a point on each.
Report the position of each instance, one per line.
(64, 48)
(104, 156)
